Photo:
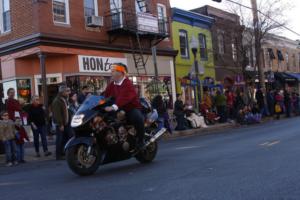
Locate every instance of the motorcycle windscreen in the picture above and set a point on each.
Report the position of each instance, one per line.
(90, 102)
(86, 111)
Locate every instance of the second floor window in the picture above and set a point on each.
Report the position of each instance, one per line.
(203, 47)
(162, 18)
(294, 62)
(234, 49)
(183, 40)
(5, 20)
(221, 42)
(280, 56)
(141, 6)
(61, 11)
(287, 61)
(299, 62)
(90, 8)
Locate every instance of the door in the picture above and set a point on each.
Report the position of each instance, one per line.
(52, 92)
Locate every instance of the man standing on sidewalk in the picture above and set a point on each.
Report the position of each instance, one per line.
(12, 105)
(61, 119)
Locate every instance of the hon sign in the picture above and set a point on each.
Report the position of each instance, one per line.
(98, 64)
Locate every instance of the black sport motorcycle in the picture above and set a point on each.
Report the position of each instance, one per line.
(104, 137)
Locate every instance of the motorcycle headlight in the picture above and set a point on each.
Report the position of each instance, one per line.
(77, 120)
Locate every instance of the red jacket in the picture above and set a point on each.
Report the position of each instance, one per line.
(22, 135)
(125, 95)
(12, 106)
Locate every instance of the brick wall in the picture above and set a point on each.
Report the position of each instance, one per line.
(35, 16)
(22, 15)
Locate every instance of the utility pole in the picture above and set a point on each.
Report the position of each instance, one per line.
(44, 86)
(257, 38)
(156, 80)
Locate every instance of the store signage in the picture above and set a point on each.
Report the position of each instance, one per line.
(98, 64)
(147, 22)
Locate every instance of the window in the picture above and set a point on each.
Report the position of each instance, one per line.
(141, 6)
(287, 61)
(280, 56)
(183, 40)
(5, 20)
(162, 18)
(116, 12)
(221, 43)
(203, 47)
(90, 8)
(271, 54)
(61, 11)
(294, 62)
(234, 50)
(299, 62)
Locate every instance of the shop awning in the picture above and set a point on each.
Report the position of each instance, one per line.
(295, 75)
(285, 77)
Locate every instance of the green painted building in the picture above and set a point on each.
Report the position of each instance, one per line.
(187, 27)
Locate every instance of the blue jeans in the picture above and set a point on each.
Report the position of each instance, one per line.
(40, 131)
(20, 152)
(161, 123)
(10, 150)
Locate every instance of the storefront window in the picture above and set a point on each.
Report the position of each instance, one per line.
(24, 90)
(97, 84)
(147, 88)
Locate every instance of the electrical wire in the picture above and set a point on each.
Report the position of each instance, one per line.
(260, 12)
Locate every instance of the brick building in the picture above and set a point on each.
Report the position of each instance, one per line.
(79, 39)
(280, 59)
(227, 43)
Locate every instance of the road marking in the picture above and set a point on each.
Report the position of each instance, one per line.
(12, 183)
(187, 147)
(149, 190)
(270, 143)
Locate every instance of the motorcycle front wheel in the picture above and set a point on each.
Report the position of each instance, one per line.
(82, 160)
(148, 154)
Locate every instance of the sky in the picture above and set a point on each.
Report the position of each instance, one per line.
(293, 15)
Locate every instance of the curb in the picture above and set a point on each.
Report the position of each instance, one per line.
(200, 131)
(213, 129)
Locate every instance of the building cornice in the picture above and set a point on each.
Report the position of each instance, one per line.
(192, 18)
(50, 40)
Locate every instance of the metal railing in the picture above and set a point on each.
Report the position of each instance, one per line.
(126, 20)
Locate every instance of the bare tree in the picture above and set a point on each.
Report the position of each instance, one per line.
(271, 19)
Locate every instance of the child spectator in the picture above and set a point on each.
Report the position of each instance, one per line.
(21, 135)
(7, 136)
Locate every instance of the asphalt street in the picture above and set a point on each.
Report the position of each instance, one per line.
(255, 162)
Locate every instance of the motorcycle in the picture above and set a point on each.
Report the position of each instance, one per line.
(104, 137)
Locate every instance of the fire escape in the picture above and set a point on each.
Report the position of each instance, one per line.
(129, 22)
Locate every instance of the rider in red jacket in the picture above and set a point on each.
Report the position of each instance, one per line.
(126, 98)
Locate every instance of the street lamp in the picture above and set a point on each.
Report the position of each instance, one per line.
(194, 44)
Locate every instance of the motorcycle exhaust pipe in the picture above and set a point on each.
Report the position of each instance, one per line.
(157, 135)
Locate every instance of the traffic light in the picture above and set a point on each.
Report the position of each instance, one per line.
(219, 1)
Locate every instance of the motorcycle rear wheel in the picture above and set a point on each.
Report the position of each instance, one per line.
(147, 155)
(80, 163)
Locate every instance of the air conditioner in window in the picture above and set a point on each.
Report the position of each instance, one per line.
(94, 21)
